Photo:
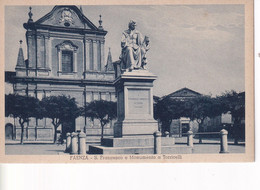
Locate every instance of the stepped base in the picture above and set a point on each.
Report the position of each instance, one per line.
(137, 145)
(137, 141)
(180, 149)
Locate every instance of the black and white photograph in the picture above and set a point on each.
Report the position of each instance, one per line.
(128, 83)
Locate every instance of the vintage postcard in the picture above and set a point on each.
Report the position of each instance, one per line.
(117, 81)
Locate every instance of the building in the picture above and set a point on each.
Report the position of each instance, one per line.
(65, 53)
(183, 125)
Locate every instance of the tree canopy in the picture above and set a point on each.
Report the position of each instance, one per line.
(167, 109)
(60, 109)
(201, 107)
(104, 111)
(196, 108)
(234, 103)
(23, 108)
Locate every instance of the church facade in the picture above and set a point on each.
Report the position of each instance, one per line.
(65, 52)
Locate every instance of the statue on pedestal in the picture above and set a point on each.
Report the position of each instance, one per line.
(134, 48)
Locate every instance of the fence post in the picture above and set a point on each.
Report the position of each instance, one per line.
(82, 143)
(157, 142)
(167, 134)
(68, 142)
(223, 141)
(190, 138)
(74, 141)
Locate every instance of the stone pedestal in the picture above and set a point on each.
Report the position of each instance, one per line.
(138, 145)
(134, 129)
(135, 104)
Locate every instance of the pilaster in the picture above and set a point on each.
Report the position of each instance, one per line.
(87, 52)
(102, 53)
(95, 54)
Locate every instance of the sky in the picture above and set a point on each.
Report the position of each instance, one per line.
(200, 47)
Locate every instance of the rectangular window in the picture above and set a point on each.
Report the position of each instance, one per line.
(67, 61)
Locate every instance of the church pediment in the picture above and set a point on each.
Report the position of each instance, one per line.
(68, 17)
(184, 93)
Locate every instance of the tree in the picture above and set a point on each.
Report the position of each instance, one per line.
(60, 109)
(201, 107)
(234, 103)
(167, 109)
(104, 111)
(22, 107)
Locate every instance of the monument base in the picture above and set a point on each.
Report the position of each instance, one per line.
(135, 104)
(135, 127)
(137, 145)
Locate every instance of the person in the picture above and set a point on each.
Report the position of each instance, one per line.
(133, 48)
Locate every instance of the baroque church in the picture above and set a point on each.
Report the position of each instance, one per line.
(65, 53)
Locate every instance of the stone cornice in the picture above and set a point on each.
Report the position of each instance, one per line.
(62, 81)
(100, 72)
(35, 26)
